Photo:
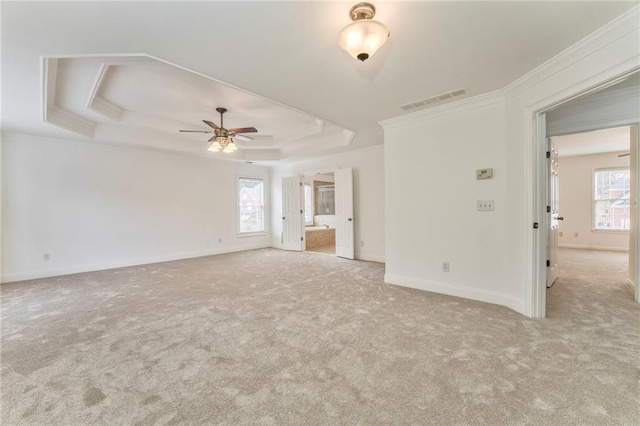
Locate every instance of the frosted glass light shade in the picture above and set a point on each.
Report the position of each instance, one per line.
(215, 146)
(362, 38)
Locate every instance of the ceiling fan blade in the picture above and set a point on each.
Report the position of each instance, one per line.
(196, 131)
(624, 155)
(210, 124)
(242, 137)
(243, 130)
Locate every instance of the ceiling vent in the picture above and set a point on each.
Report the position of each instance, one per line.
(433, 100)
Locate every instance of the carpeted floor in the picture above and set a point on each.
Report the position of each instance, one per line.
(274, 337)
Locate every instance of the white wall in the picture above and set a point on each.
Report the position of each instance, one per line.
(576, 203)
(493, 256)
(431, 208)
(95, 206)
(368, 194)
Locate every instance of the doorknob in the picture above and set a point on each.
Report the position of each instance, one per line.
(349, 219)
(283, 217)
(560, 218)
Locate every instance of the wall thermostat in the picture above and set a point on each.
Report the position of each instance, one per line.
(484, 174)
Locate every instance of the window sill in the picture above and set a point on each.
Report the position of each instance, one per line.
(610, 231)
(252, 234)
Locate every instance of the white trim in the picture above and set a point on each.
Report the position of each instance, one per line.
(536, 178)
(629, 284)
(622, 25)
(97, 103)
(636, 286)
(369, 257)
(31, 275)
(486, 296)
(600, 248)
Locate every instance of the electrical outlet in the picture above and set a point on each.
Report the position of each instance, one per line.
(361, 243)
(561, 234)
(445, 266)
(220, 240)
(46, 257)
(575, 235)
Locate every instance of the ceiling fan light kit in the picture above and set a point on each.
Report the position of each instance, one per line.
(364, 36)
(223, 138)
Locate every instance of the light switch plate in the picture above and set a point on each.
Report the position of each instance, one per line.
(485, 205)
(484, 174)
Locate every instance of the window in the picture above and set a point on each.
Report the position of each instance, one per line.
(251, 205)
(611, 199)
(308, 204)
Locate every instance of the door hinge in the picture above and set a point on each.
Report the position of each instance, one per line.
(548, 154)
(301, 238)
(301, 182)
(535, 225)
(301, 212)
(548, 209)
(548, 263)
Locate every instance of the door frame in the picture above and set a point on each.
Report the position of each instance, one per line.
(537, 184)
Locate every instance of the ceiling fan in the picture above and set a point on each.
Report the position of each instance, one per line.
(223, 138)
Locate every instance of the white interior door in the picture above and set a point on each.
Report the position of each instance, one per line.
(344, 213)
(292, 214)
(553, 212)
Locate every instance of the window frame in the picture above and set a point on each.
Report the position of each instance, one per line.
(594, 201)
(241, 233)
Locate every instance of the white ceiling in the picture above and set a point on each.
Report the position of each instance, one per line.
(284, 53)
(596, 142)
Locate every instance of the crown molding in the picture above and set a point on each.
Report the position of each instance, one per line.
(298, 133)
(97, 103)
(467, 104)
(52, 113)
(348, 136)
(67, 120)
(622, 25)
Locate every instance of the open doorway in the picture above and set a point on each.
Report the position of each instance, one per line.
(320, 213)
(613, 105)
(594, 213)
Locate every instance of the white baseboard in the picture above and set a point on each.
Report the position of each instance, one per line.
(572, 246)
(631, 286)
(360, 256)
(370, 257)
(76, 269)
(487, 296)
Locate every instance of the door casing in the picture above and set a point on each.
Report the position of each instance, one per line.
(538, 178)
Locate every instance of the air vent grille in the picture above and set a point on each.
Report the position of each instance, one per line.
(433, 100)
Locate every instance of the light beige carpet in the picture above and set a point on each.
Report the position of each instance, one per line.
(275, 337)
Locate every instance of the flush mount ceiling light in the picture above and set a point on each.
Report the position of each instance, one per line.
(364, 36)
(223, 138)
